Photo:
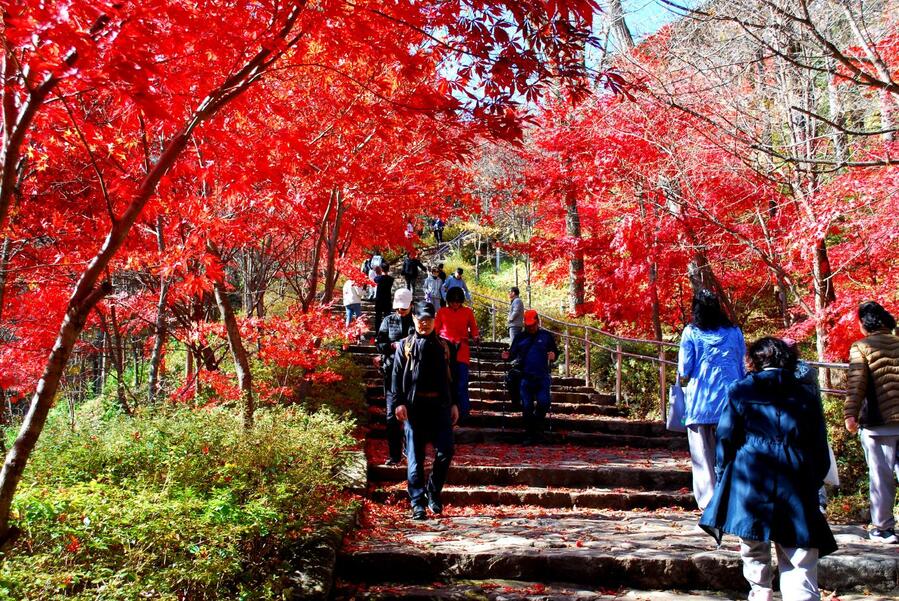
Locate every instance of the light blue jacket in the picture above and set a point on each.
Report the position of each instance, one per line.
(454, 282)
(712, 360)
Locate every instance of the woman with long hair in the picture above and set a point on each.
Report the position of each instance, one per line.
(709, 360)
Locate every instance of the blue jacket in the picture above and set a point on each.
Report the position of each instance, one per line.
(454, 282)
(713, 360)
(771, 460)
(528, 351)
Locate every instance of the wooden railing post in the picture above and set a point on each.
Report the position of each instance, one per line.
(618, 373)
(493, 319)
(567, 362)
(586, 357)
(663, 387)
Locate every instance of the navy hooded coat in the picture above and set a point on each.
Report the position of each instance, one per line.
(772, 457)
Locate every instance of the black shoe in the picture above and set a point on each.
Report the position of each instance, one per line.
(435, 506)
(391, 461)
(419, 513)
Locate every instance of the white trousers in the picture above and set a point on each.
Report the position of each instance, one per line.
(798, 571)
(701, 438)
(880, 453)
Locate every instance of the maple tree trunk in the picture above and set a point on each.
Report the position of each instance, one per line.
(42, 400)
(654, 297)
(309, 297)
(576, 276)
(4, 263)
(238, 353)
(160, 327)
(615, 16)
(189, 371)
(887, 98)
(839, 138)
(333, 245)
(116, 350)
(824, 297)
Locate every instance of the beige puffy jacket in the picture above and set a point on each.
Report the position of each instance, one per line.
(874, 380)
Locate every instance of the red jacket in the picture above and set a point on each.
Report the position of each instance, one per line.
(455, 327)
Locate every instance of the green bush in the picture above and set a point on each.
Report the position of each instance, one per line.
(172, 505)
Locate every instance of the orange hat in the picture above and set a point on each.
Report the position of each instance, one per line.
(531, 317)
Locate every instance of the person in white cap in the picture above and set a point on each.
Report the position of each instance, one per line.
(394, 328)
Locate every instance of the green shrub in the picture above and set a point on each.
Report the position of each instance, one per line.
(172, 505)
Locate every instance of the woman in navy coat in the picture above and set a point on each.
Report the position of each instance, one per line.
(772, 457)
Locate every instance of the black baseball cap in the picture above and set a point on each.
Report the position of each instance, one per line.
(423, 309)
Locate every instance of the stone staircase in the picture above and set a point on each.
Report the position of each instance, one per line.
(603, 509)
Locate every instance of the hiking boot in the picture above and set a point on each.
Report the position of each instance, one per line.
(886, 536)
(419, 513)
(435, 505)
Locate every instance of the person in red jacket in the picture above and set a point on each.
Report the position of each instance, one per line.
(455, 323)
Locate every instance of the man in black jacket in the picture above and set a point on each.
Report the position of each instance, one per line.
(383, 293)
(394, 328)
(411, 267)
(425, 401)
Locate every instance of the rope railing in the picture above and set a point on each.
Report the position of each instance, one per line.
(591, 337)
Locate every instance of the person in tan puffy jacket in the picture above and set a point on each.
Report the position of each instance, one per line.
(872, 406)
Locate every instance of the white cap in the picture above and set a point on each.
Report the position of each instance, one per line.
(402, 298)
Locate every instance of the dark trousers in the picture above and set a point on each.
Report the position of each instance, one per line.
(380, 314)
(410, 281)
(438, 236)
(535, 397)
(430, 426)
(394, 427)
(463, 396)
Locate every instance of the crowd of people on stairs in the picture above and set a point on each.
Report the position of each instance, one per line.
(755, 424)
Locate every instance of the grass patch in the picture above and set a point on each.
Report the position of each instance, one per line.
(173, 504)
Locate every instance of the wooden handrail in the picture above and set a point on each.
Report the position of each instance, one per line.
(564, 329)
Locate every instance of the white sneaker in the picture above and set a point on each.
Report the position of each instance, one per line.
(886, 536)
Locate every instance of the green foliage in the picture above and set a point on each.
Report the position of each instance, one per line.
(343, 396)
(173, 505)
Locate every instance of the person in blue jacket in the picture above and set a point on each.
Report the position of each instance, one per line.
(772, 457)
(532, 353)
(711, 356)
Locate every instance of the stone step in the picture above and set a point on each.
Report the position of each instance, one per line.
(557, 408)
(505, 406)
(590, 547)
(508, 435)
(374, 392)
(570, 456)
(498, 378)
(516, 590)
(484, 352)
(547, 497)
(488, 349)
(551, 475)
(558, 395)
(496, 388)
(566, 424)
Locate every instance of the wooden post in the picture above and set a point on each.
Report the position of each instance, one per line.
(663, 386)
(618, 373)
(567, 362)
(586, 357)
(493, 319)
